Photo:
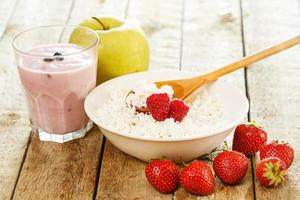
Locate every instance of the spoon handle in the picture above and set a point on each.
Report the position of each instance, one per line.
(244, 62)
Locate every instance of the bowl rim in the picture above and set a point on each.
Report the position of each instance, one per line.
(227, 127)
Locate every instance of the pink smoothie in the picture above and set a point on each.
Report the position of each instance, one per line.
(56, 88)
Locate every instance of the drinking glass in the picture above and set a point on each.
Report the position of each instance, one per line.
(57, 68)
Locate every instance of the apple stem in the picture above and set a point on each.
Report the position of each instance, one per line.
(95, 18)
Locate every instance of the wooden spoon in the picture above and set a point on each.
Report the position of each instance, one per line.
(184, 87)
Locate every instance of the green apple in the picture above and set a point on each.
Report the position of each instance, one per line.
(123, 46)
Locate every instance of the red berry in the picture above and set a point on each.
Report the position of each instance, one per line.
(248, 138)
(163, 175)
(270, 172)
(283, 151)
(178, 110)
(198, 178)
(159, 106)
(230, 166)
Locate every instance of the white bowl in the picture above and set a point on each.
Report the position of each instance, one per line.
(233, 100)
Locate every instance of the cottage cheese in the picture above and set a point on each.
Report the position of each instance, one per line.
(120, 115)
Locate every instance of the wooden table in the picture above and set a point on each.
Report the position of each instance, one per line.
(197, 35)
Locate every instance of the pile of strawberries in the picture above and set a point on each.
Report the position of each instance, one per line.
(230, 166)
(162, 107)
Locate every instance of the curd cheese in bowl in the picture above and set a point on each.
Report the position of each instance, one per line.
(213, 113)
(119, 114)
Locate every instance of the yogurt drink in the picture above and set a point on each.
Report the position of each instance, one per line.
(57, 86)
(57, 73)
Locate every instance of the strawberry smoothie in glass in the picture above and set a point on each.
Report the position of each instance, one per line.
(57, 76)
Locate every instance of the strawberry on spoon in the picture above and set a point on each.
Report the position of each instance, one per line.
(178, 110)
(159, 106)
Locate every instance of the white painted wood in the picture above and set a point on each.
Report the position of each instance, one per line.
(274, 84)
(92, 8)
(6, 9)
(161, 21)
(14, 125)
(212, 37)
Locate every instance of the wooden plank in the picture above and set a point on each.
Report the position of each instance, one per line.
(72, 172)
(83, 10)
(6, 9)
(60, 171)
(122, 176)
(274, 85)
(243, 190)
(161, 21)
(212, 38)
(14, 123)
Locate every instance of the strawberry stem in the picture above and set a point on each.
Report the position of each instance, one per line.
(274, 174)
(225, 146)
(256, 124)
(185, 163)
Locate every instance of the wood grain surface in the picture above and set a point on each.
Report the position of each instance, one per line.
(122, 177)
(60, 171)
(212, 37)
(83, 10)
(274, 84)
(162, 23)
(183, 34)
(7, 8)
(14, 121)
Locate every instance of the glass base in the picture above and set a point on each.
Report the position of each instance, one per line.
(62, 138)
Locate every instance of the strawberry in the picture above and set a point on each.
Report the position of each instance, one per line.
(283, 151)
(270, 172)
(198, 178)
(159, 106)
(248, 138)
(178, 110)
(230, 166)
(163, 175)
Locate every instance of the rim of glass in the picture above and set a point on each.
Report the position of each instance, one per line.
(15, 46)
